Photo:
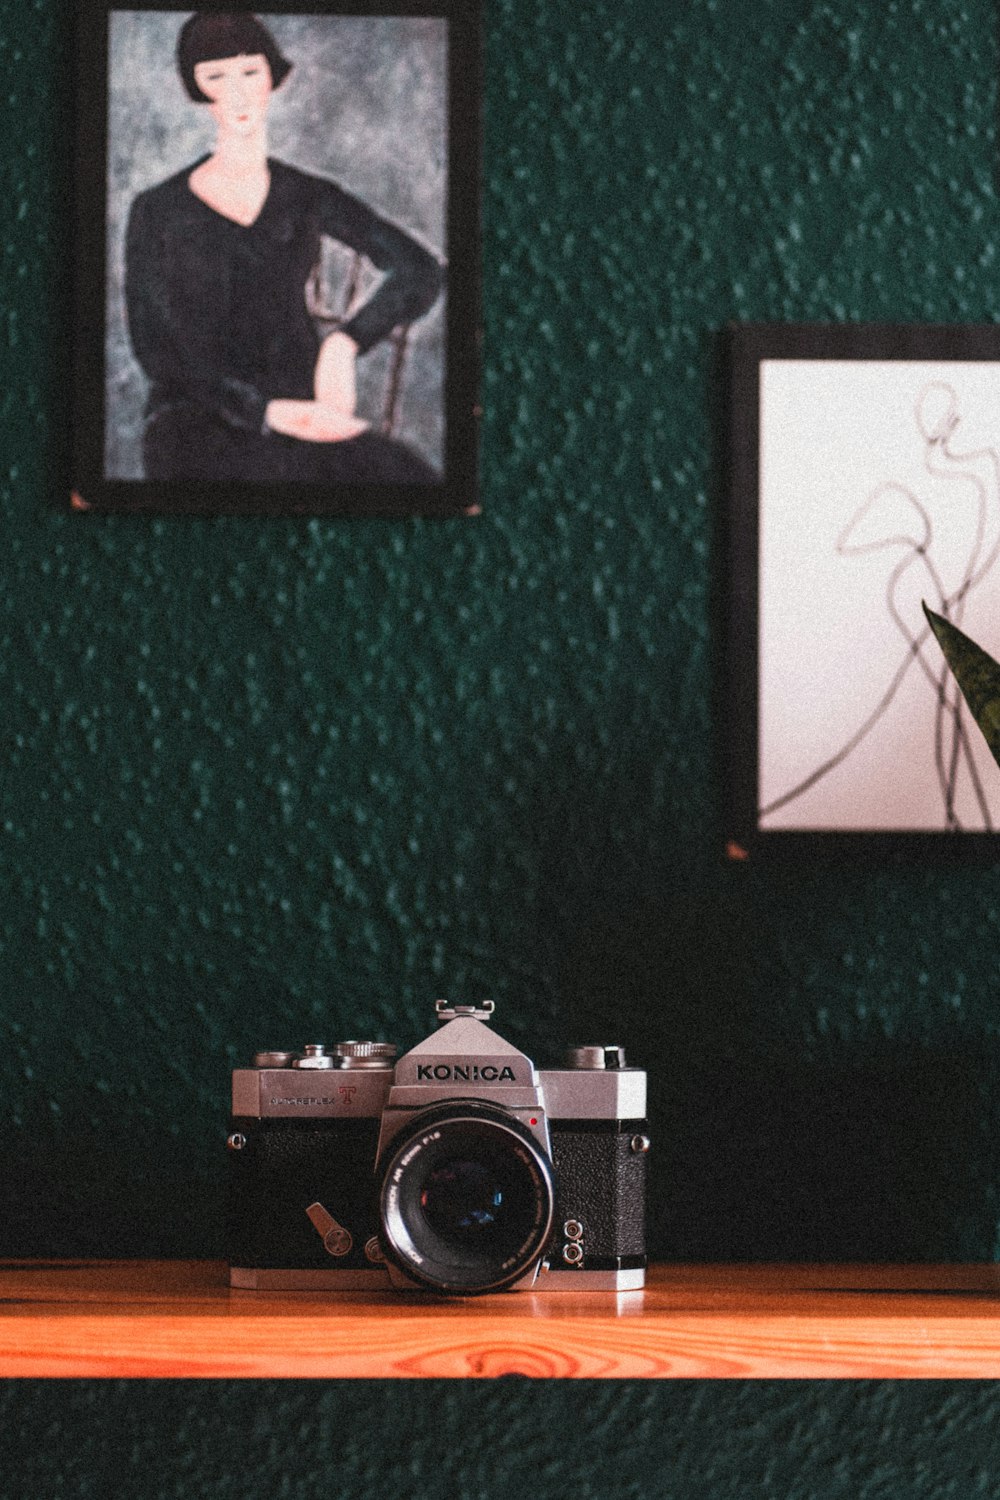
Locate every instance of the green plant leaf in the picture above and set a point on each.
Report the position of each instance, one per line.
(976, 673)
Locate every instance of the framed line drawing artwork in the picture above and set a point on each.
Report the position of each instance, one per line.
(864, 478)
(276, 259)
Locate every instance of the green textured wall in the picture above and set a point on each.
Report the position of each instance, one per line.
(167, 1440)
(267, 782)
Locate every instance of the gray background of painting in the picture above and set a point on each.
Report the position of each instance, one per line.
(365, 104)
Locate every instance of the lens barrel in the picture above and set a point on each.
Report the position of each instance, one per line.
(466, 1200)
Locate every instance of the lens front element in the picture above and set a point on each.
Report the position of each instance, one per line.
(467, 1199)
(464, 1202)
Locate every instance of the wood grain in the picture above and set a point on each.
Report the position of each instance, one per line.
(179, 1318)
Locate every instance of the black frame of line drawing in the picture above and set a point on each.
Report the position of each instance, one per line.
(746, 347)
(450, 395)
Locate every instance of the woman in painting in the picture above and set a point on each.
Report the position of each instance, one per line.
(242, 387)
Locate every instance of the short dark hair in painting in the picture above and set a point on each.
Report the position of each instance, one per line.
(206, 38)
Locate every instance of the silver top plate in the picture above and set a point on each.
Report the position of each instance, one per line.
(265, 1093)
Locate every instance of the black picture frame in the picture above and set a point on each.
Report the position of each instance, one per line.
(434, 113)
(815, 413)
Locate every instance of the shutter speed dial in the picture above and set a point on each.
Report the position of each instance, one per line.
(316, 1057)
(364, 1054)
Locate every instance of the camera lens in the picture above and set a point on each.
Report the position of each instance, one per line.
(467, 1199)
(463, 1201)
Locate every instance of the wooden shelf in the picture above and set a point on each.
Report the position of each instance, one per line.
(179, 1318)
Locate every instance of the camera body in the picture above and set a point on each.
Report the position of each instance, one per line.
(460, 1168)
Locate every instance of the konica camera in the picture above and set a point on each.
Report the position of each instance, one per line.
(459, 1168)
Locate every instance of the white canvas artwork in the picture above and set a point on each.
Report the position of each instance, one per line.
(879, 488)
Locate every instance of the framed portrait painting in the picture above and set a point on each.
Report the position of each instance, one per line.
(864, 481)
(277, 258)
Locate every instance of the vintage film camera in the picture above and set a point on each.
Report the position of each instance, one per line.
(459, 1168)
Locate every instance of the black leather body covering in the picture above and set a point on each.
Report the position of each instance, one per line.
(286, 1165)
(601, 1183)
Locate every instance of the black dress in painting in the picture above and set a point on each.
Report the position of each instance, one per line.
(218, 320)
